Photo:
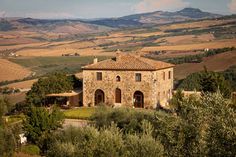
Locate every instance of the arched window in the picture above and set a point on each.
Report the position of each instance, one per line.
(117, 78)
(118, 95)
(99, 97)
(138, 99)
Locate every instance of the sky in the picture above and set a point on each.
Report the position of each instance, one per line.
(87, 9)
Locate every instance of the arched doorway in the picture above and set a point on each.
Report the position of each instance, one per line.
(99, 97)
(138, 100)
(118, 95)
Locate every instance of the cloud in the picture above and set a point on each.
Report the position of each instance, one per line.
(164, 5)
(49, 15)
(232, 6)
(2, 13)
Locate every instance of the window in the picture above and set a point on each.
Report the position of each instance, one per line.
(138, 77)
(164, 75)
(99, 76)
(169, 74)
(117, 78)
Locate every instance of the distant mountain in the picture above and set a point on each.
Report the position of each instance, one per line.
(157, 17)
(196, 13)
(78, 26)
(117, 22)
(66, 26)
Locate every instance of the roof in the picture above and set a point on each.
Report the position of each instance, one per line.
(128, 62)
(63, 94)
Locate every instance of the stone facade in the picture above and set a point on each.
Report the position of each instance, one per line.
(156, 88)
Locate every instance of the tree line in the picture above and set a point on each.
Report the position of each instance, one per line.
(199, 57)
(210, 81)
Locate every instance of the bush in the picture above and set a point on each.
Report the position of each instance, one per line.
(91, 142)
(198, 127)
(127, 119)
(207, 81)
(30, 149)
(40, 123)
(220, 134)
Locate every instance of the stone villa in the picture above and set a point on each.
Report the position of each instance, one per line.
(128, 80)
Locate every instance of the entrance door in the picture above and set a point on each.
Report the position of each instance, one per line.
(138, 99)
(99, 97)
(118, 95)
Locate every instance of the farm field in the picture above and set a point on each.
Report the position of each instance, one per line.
(39, 52)
(43, 65)
(190, 35)
(12, 71)
(219, 62)
(195, 46)
(15, 98)
(22, 85)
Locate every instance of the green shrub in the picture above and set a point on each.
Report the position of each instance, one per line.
(127, 119)
(107, 142)
(30, 149)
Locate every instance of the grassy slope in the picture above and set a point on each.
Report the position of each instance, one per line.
(218, 62)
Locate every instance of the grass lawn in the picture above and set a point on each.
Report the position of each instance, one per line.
(80, 113)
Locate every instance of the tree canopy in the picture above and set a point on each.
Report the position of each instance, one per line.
(40, 123)
(207, 81)
(53, 83)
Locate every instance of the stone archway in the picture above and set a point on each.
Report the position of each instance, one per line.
(138, 99)
(99, 97)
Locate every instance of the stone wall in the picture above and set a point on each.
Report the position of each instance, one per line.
(152, 85)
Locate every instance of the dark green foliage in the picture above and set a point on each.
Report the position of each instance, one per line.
(9, 135)
(230, 75)
(189, 124)
(40, 123)
(5, 107)
(54, 83)
(127, 119)
(8, 141)
(198, 127)
(30, 149)
(106, 142)
(220, 134)
(191, 82)
(212, 81)
(208, 82)
(76, 83)
(7, 90)
(144, 144)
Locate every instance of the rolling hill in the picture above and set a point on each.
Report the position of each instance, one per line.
(219, 62)
(67, 26)
(157, 17)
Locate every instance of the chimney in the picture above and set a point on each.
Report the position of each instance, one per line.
(118, 54)
(95, 60)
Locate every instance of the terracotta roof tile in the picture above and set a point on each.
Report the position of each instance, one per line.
(128, 62)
